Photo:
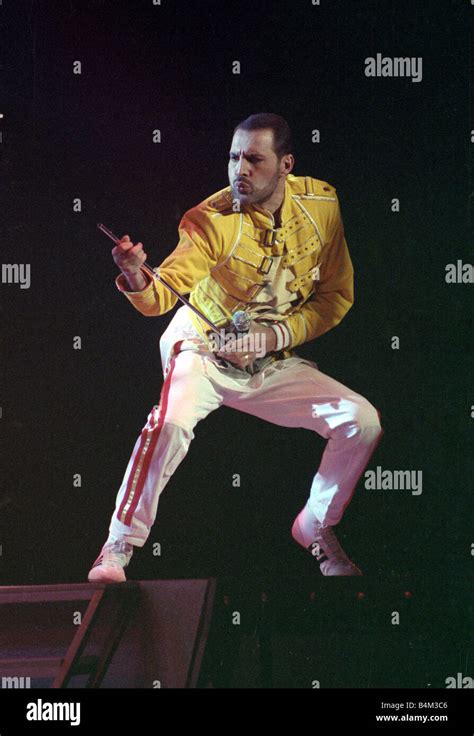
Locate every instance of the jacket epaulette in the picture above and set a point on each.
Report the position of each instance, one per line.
(306, 187)
(218, 202)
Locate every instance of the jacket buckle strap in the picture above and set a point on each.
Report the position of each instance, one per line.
(269, 237)
(265, 265)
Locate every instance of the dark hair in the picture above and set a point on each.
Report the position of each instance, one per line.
(282, 139)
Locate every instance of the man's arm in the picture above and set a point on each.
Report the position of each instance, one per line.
(198, 250)
(135, 281)
(334, 293)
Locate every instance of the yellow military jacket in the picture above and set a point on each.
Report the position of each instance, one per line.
(224, 254)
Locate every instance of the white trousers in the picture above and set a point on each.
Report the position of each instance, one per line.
(291, 393)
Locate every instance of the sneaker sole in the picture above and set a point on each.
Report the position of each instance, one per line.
(106, 575)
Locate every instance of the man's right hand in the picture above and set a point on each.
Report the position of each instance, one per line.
(129, 258)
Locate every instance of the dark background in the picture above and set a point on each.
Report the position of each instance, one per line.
(89, 136)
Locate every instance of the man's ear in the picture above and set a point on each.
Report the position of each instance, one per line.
(287, 163)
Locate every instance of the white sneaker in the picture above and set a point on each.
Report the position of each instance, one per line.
(109, 566)
(323, 545)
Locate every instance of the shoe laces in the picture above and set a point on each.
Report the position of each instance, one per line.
(119, 548)
(328, 542)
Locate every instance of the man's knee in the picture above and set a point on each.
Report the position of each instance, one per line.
(368, 420)
(190, 396)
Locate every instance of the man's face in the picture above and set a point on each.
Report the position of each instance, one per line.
(254, 169)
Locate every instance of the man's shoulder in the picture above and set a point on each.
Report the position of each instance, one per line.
(219, 203)
(308, 187)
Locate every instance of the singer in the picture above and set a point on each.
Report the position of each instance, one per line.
(271, 245)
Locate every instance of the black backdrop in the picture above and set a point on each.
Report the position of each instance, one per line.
(89, 136)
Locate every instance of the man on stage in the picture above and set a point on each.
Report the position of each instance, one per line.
(272, 245)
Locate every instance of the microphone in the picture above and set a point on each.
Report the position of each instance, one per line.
(241, 321)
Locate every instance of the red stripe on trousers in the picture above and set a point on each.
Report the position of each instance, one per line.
(156, 428)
